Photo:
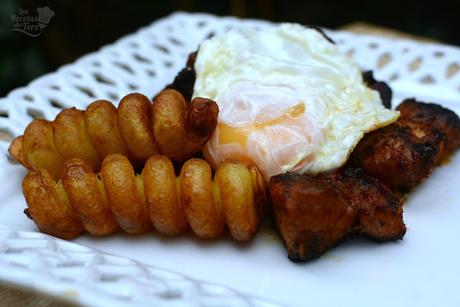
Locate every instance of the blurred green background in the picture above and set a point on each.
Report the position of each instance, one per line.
(83, 26)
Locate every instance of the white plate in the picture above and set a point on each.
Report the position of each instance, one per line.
(421, 270)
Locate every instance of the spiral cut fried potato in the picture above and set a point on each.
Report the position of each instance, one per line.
(137, 129)
(117, 197)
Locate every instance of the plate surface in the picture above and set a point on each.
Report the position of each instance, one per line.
(420, 270)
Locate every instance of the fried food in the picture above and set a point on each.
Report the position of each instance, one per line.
(314, 213)
(397, 157)
(38, 149)
(71, 137)
(99, 203)
(239, 189)
(50, 207)
(135, 124)
(403, 154)
(87, 196)
(426, 118)
(138, 129)
(185, 79)
(179, 131)
(379, 210)
(163, 196)
(381, 87)
(124, 192)
(103, 129)
(200, 199)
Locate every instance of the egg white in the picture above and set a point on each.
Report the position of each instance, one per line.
(256, 76)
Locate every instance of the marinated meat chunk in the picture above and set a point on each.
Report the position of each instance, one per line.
(311, 214)
(379, 211)
(185, 79)
(381, 87)
(398, 157)
(429, 117)
(314, 213)
(403, 154)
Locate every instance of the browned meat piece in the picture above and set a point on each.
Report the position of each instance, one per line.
(384, 90)
(403, 154)
(310, 213)
(315, 213)
(379, 210)
(320, 30)
(185, 79)
(397, 157)
(426, 117)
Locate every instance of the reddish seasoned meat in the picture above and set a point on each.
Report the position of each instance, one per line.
(185, 79)
(310, 213)
(427, 117)
(315, 213)
(403, 154)
(379, 210)
(397, 157)
(381, 87)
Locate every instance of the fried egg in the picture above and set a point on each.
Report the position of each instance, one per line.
(288, 99)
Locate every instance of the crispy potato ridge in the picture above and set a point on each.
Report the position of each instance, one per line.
(124, 194)
(181, 129)
(405, 153)
(100, 203)
(88, 198)
(38, 149)
(49, 206)
(138, 129)
(71, 137)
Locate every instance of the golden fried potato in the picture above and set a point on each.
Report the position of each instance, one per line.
(102, 124)
(169, 122)
(236, 192)
(236, 197)
(162, 197)
(38, 150)
(180, 129)
(125, 196)
(201, 120)
(131, 130)
(135, 121)
(260, 192)
(198, 202)
(71, 137)
(49, 207)
(16, 152)
(87, 197)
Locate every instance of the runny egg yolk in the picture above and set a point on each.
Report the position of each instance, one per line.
(240, 135)
(274, 145)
